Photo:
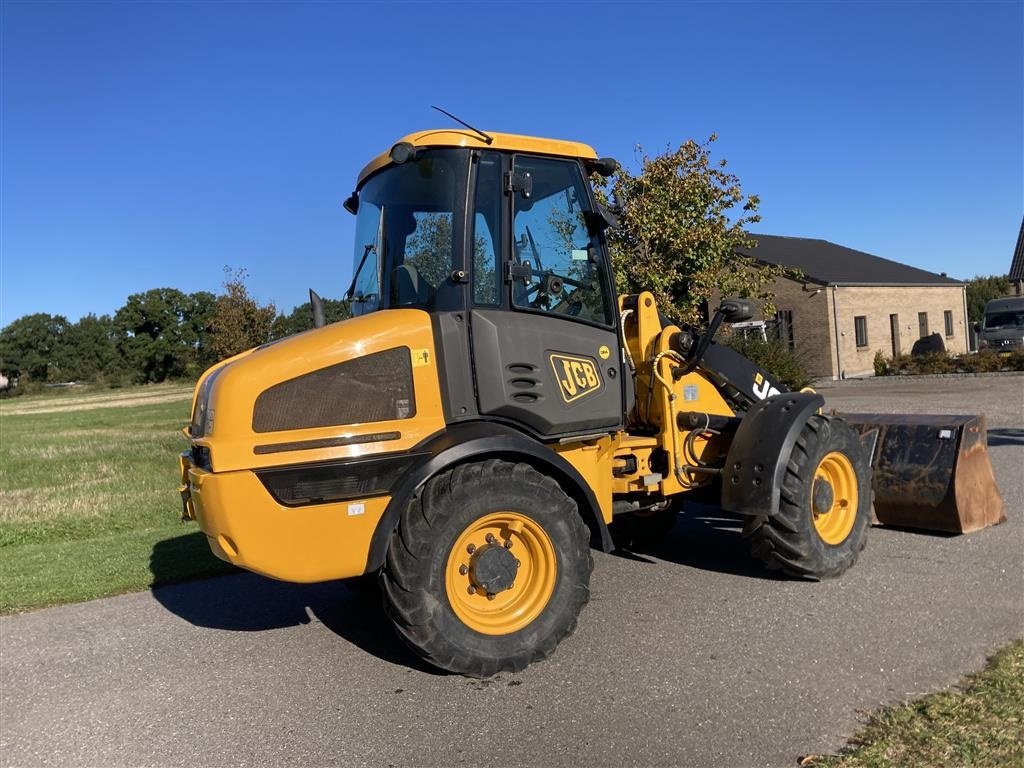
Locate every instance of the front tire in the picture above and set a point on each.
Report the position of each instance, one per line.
(488, 569)
(825, 505)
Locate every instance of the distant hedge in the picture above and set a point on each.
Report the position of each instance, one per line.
(985, 361)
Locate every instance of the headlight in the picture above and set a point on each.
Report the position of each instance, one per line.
(202, 418)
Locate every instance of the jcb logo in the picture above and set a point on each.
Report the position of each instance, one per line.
(576, 376)
(762, 388)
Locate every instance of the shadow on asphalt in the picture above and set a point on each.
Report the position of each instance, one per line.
(248, 602)
(1006, 436)
(704, 537)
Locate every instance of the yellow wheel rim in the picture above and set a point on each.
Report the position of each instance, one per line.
(508, 537)
(835, 512)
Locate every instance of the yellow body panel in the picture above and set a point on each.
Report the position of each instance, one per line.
(505, 142)
(593, 460)
(246, 527)
(232, 442)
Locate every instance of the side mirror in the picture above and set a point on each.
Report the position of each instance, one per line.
(977, 327)
(351, 204)
(735, 310)
(601, 219)
(606, 166)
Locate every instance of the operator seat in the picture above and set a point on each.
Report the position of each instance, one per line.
(409, 289)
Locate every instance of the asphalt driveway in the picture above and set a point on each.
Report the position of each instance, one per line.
(689, 656)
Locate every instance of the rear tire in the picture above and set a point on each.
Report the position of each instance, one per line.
(825, 505)
(464, 600)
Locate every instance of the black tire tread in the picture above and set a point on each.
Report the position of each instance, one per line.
(788, 540)
(413, 610)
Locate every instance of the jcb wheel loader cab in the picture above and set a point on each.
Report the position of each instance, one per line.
(458, 428)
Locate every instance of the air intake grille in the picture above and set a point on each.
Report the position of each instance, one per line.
(323, 483)
(375, 387)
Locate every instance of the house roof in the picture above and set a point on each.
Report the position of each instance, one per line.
(830, 264)
(1017, 265)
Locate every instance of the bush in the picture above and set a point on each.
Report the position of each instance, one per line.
(881, 366)
(774, 356)
(985, 361)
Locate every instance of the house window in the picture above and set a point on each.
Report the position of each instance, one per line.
(948, 315)
(922, 324)
(784, 321)
(860, 326)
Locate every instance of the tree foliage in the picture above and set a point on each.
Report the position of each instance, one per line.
(981, 289)
(301, 318)
(239, 322)
(91, 351)
(681, 220)
(161, 333)
(34, 346)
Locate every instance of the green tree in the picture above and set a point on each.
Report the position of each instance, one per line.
(301, 318)
(981, 290)
(35, 347)
(92, 350)
(160, 333)
(239, 322)
(681, 220)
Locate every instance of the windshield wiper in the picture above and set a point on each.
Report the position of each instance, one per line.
(355, 275)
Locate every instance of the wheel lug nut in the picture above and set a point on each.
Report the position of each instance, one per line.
(490, 538)
(490, 596)
(471, 548)
(471, 589)
(463, 569)
(508, 543)
(518, 563)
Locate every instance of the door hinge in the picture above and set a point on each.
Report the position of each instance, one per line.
(515, 271)
(519, 182)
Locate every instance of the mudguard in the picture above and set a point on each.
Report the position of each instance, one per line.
(756, 463)
(485, 440)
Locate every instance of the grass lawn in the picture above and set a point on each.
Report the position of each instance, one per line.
(979, 724)
(88, 500)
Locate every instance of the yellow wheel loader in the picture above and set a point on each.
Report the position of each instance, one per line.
(493, 408)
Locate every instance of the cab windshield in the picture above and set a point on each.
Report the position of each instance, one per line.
(405, 231)
(1005, 320)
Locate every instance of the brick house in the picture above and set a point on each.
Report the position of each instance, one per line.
(848, 305)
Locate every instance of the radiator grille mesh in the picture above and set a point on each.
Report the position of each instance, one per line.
(376, 387)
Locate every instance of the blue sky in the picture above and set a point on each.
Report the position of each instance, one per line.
(152, 144)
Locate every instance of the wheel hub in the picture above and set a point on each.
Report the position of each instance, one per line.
(834, 498)
(823, 497)
(493, 568)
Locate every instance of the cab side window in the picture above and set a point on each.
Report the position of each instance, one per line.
(557, 267)
(486, 228)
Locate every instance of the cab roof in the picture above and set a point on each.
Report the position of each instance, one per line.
(503, 142)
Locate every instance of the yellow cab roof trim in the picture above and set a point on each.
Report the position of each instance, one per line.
(503, 142)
